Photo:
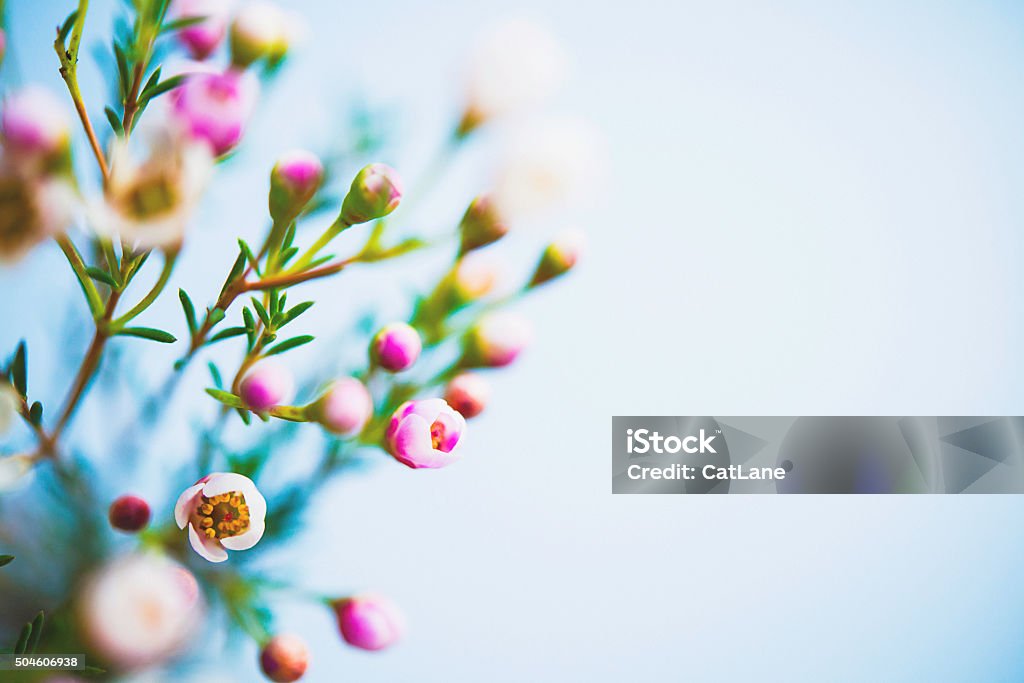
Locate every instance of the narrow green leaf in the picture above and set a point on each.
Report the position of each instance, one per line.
(250, 326)
(227, 334)
(289, 237)
(35, 413)
(261, 312)
(178, 24)
(114, 121)
(215, 316)
(122, 70)
(295, 311)
(65, 28)
(19, 369)
(101, 275)
(162, 87)
(275, 299)
(243, 245)
(6, 559)
(215, 375)
(190, 310)
(149, 333)
(37, 632)
(22, 644)
(245, 415)
(319, 261)
(288, 254)
(236, 270)
(226, 397)
(289, 344)
(153, 79)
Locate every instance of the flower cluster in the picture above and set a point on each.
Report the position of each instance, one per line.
(421, 375)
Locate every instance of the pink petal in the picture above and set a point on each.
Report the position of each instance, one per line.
(186, 503)
(207, 548)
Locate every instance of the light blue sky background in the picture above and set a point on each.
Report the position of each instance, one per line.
(815, 209)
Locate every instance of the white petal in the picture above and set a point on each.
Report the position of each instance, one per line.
(207, 549)
(246, 540)
(226, 482)
(186, 501)
(256, 502)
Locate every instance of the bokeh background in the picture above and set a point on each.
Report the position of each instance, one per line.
(815, 208)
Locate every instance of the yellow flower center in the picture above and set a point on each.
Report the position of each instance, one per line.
(151, 196)
(222, 516)
(17, 213)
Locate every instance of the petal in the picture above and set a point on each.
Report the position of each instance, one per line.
(186, 501)
(207, 548)
(226, 482)
(246, 540)
(412, 440)
(429, 408)
(256, 502)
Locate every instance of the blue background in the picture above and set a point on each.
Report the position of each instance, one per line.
(815, 208)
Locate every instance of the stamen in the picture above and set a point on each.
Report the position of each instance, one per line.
(222, 516)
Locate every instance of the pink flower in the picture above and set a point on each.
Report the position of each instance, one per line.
(496, 340)
(368, 621)
(34, 125)
(396, 347)
(222, 510)
(202, 39)
(345, 408)
(268, 384)
(215, 108)
(425, 433)
(284, 659)
(375, 192)
(468, 393)
(129, 513)
(33, 208)
(294, 180)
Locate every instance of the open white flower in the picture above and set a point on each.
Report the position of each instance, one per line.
(515, 65)
(222, 510)
(150, 203)
(140, 610)
(557, 161)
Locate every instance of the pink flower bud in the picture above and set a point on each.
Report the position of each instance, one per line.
(268, 384)
(260, 31)
(284, 659)
(496, 340)
(468, 393)
(481, 225)
(345, 408)
(425, 434)
(214, 108)
(202, 38)
(375, 192)
(34, 125)
(129, 513)
(473, 277)
(294, 180)
(370, 622)
(559, 257)
(396, 347)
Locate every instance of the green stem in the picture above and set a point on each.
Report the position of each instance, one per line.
(92, 295)
(333, 231)
(165, 275)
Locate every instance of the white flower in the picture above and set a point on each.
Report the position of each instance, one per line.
(9, 403)
(222, 510)
(13, 470)
(515, 65)
(33, 207)
(150, 203)
(140, 609)
(558, 161)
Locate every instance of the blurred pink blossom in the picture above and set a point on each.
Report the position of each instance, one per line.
(425, 434)
(368, 621)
